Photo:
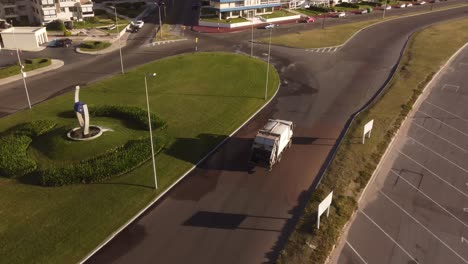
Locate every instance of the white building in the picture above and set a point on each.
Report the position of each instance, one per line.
(243, 8)
(24, 38)
(43, 11)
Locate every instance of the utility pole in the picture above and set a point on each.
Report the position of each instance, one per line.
(120, 45)
(385, 9)
(268, 65)
(251, 41)
(160, 22)
(151, 131)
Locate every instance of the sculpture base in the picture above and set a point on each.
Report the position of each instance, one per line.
(77, 133)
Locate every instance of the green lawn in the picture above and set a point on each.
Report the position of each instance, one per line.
(278, 13)
(329, 36)
(166, 34)
(15, 69)
(99, 21)
(355, 163)
(309, 12)
(94, 45)
(203, 97)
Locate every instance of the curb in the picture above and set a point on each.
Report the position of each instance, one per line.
(152, 44)
(161, 195)
(51, 67)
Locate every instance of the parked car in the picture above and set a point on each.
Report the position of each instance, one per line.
(307, 19)
(339, 14)
(66, 42)
(138, 23)
(270, 25)
(400, 6)
(409, 4)
(133, 29)
(420, 3)
(360, 11)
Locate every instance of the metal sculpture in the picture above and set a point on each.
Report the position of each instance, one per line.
(82, 114)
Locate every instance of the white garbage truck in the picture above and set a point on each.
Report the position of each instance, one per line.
(271, 141)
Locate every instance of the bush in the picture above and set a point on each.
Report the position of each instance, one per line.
(133, 114)
(14, 161)
(56, 25)
(67, 33)
(319, 9)
(36, 61)
(94, 45)
(113, 163)
(351, 5)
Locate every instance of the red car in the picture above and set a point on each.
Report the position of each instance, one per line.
(307, 19)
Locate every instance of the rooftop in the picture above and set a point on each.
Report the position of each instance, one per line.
(21, 30)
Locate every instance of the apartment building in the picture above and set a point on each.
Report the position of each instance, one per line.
(43, 11)
(243, 8)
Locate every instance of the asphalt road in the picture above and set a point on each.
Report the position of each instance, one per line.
(416, 209)
(225, 213)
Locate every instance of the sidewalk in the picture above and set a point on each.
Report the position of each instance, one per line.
(55, 64)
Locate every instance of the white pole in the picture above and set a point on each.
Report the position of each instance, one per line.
(251, 41)
(151, 136)
(160, 23)
(23, 74)
(385, 9)
(120, 45)
(268, 65)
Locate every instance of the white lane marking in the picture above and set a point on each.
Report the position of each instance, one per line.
(465, 210)
(427, 229)
(393, 240)
(433, 173)
(355, 251)
(321, 50)
(444, 139)
(329, 49)
(455, 115)
(450, 86)
(444, 158)
(464, 240)
(440, 120)
(427, 196)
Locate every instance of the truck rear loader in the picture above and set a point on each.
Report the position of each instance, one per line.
(271, 141)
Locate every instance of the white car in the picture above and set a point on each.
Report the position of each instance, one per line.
(138, 23)
(341, 14)
(409, 4)
(402, 5)
(421, 3)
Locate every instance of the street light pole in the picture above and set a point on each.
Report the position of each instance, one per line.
(120, 45)
(385, 9)
(151, 132)
(23, 74)
(160, 23)
(268, 65)
(251, 42)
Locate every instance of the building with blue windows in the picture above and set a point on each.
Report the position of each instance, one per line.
(243, 8)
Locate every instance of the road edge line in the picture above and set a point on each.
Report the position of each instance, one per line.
(161, 195)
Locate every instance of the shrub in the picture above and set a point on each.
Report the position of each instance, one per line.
(133, 114)
(94, 45)
(351, 5)
(56, 25)
(67, 33)
(319, 9)
(113, 163)
(14, 161)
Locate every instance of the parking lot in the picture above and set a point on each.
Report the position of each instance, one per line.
(415, 210)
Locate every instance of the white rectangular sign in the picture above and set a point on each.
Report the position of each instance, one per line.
(324, 205)
(367, 129)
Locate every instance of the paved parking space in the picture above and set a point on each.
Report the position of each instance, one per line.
(416, 208)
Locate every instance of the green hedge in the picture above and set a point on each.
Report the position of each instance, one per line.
(94, 45)
(113, 163)
(14, 161)
(56, 25)
(130, 113)
(351, 5)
